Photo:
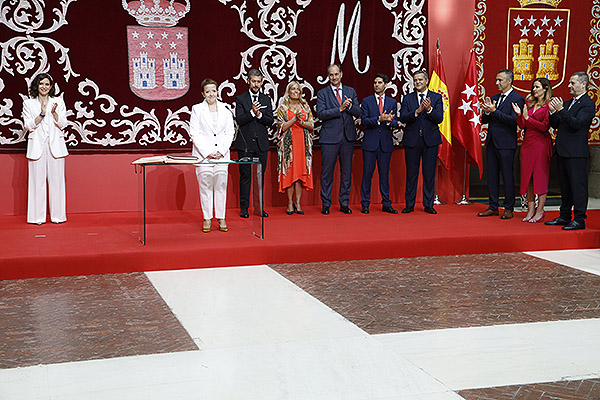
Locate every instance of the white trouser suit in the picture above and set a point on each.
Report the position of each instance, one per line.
(46, 152)
(212, 132)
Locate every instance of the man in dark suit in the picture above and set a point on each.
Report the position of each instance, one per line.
(379, 116)
(422, 111)
(337, 106)
(501, 143)
(254, 115)
(573, 120)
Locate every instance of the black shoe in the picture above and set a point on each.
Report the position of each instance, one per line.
(244, 214)
(430, 210)
(574, 226)
(389, 209)
(264, 214)
(558, 221)
(298, 211)
(345, 210)
(407, 210)
(364, 210)
(325, 210)
(289, 212)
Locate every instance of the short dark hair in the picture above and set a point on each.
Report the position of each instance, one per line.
(509, 73)
(339, 66)
(582, 77)
(385, 78)
(421, 71)
(208, 81)
(254, 72)
(33, 88)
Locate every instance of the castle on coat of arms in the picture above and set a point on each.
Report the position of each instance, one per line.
(174, 72)
(523, 60)
(144, 72)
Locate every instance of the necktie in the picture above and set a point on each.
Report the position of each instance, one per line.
(380, 104)
(337, 94)
(254, 98)
(421, 98)
(571, 105)
(500, 100)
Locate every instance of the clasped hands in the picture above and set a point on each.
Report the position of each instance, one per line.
(488, 105)
(518, 111)
(346, 104)
(425, 105)
(555, 104)
(215, 156)
(53, 111)
(386, 117)
(256, 107)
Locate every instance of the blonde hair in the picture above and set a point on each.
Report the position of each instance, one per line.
(286, 96)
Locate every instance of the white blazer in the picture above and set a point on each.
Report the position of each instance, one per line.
(49, 129)
(207, 138)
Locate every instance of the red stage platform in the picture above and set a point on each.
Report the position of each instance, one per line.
(108, 242)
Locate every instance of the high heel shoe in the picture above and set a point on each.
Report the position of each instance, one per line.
(298, 211)
(223, 226)
(206, 226)
(526, 219)
(540, 219)
(288, 212)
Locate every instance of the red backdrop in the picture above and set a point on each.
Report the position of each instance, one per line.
(572, 25)
(92, 49)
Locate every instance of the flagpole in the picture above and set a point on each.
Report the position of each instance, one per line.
(464, 200)
(436, 199)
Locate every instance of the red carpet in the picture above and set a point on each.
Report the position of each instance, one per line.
(107, 243)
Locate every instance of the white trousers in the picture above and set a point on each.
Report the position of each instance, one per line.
(212, 181)
(46, 179)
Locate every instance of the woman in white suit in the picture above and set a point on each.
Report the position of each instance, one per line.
(211, 131)
(44, 116)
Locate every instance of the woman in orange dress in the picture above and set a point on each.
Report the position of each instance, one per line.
(536, 150)
(295, 122)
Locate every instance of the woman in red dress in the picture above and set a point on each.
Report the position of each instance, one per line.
(536, 149)
(295, 123)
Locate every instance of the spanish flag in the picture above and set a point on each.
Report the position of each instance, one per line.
(437, 84)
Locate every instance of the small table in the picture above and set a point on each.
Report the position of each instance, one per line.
(157, 161)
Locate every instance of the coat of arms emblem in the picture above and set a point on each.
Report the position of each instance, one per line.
(537, 43)
(157, 49)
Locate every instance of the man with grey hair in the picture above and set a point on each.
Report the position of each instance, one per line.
(572, 119)
(254, 115)
(337, 106)
(501, 143)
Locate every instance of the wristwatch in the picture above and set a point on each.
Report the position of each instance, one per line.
(42, 115)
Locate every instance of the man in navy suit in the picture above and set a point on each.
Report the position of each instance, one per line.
(573, 120)
(254, 115)
(422, 111)
(379, 116)
(337, 106)
(501, 143)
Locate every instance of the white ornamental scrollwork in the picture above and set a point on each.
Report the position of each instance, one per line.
(409, 29)
(7, 119)
(594, 67)
(25, 52)
(277, 62)
(277, 24)
(175, 126)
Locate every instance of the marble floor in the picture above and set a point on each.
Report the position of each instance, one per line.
(475, 327)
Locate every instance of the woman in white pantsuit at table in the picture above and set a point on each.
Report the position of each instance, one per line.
(44, 117)
(211, 131)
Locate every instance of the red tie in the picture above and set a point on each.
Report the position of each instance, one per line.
(337, 94)
(380, 105)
